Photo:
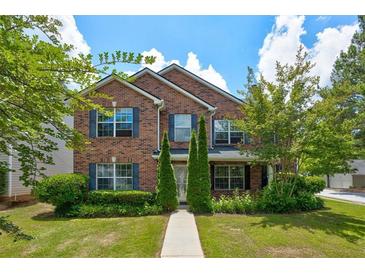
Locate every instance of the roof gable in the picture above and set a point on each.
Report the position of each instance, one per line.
(175, 87)
(200, 80)
(113, 77)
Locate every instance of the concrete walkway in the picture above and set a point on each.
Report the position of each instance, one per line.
(182, 238)
(356, 197)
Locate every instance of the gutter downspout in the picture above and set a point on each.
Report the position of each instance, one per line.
(160, 107)
(211, 125)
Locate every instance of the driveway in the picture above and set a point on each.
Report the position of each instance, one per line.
(356, 197)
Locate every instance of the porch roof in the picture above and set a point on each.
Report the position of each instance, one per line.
(218, 153)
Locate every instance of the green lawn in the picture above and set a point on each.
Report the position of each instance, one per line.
(57, 237)
(337, 231)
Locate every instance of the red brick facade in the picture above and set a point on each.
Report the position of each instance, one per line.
(140, 149)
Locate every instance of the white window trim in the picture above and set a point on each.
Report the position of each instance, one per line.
(229, 133)
(229, 177)
(114, 122)
(114, 174)
(176, 127)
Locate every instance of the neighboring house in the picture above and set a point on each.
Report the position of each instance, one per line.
(15, 190)
(355, 179)
(124, 149)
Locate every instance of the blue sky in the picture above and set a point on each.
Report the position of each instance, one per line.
(228, 43)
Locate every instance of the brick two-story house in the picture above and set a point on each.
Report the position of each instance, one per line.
(123, 150)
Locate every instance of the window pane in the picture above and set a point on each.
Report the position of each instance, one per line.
(124, 115)
(105, 170)
(122, 170)
(220, 125)
(221, 171)
(236, 171)
(104, 118)
(221, 137)
(183, 120)
(105, 129)
(236, 137)
(105, 183)
(123, 129)
(237, 183)
(221, 183)
(182, 134)
(123, 184)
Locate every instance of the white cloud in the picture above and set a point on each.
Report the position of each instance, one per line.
(160, 62)
(209, 74)
(71, 35)
(282, 43)
(192, 64)
(329, 44)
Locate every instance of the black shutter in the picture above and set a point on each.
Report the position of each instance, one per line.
(135, 122)
(194, 124)
(213, 131)
(135, 170)
(212, 176)
(171, 127)
(247, 139)
(247, 177)
(264, 178)
(92, 176)
(92, 123)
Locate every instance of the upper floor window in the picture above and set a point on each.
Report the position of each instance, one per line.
(117, 125)
(227, 133)
(182, 127)
(114, 176)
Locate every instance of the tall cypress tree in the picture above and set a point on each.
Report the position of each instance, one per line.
(193, 170)
(166, 185)
(204, 203)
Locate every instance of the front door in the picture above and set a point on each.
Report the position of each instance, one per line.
(180, 174)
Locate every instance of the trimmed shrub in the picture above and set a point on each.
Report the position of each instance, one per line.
(122, 197)
(307, 201)
(236, 204)
(192, 193)
(62, 191)
(203, 202)
(277, 197)
(112, 210)
(166, 183)
(295, 194)
(314, 184)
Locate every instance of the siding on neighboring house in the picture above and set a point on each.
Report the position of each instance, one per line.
(347, 180)
(5, 158)
(63, 159)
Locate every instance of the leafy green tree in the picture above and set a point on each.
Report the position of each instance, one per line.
(275, 112)
(338, 135)
(204, 202)
(348, 84)
(294, 124)
(193, 172)
(35, 80)
(166, 184)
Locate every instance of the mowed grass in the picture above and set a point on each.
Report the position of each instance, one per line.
(62, 237)
(336, 231)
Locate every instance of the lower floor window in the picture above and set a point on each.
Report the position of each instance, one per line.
(229, 177)
(114, 177)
